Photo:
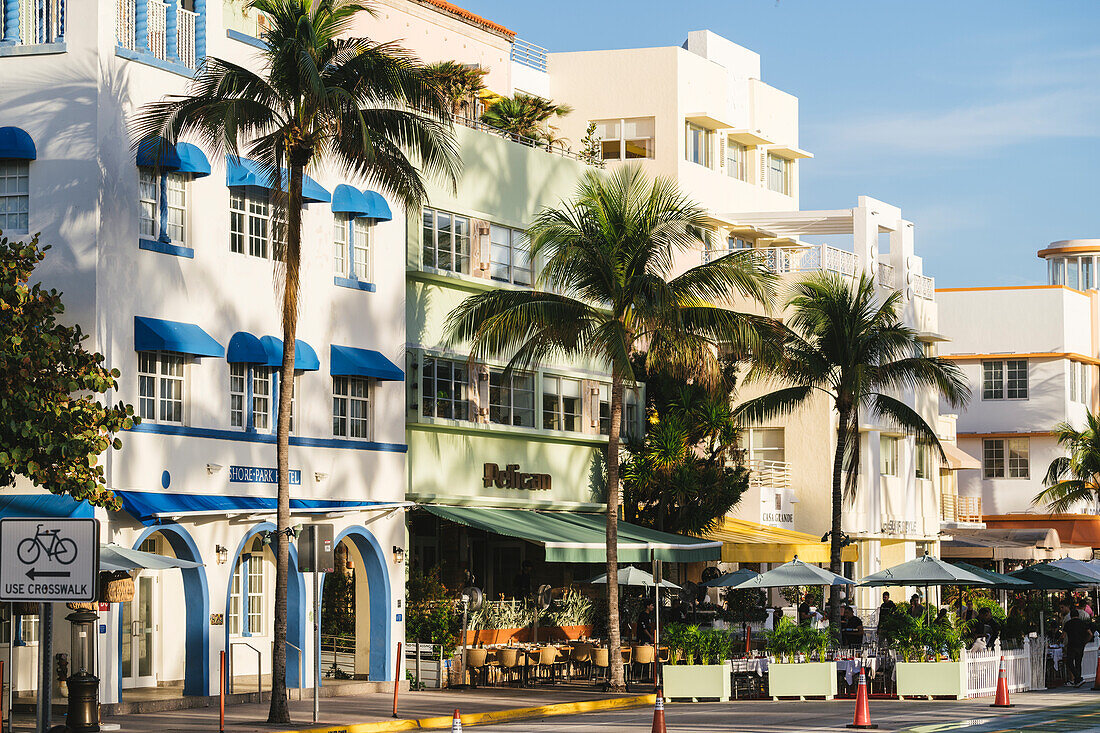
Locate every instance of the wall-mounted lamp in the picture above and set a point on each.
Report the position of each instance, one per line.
(222, 553)
(319, 476)
(213, 468)
(398, 555)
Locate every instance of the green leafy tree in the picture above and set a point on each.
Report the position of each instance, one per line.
(848, 344)
(1074, 479)
(431, 617)
(54, 425)
(591, 149)
(605, 292)
(459, 84)
(524, 115)
(367, 108)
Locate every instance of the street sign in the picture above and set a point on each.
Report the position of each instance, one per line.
(322, 536)
(49, 560)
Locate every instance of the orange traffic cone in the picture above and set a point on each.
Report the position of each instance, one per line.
(456, 723)
(863, 711)
(659, 714)
(1001, 700)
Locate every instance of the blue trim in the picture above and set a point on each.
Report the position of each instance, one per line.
(196, 590)
(163, 209)
(378, 588)
(347, 282)
(43, 505)
(33, 49)
(348, 361)
(243, 437)
(166, 249)
(245, 38)
(17, 144)
(245, 172)
(11, 21)
(156, 334)
(149, 59)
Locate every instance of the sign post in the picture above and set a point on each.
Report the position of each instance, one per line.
(48, 560)
(316, 555)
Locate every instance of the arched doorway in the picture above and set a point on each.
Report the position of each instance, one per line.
(142, 621)
(250, 604)
(373, 630)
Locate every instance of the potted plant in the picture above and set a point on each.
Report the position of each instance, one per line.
(922, 670)
(788, 675)
(704, 670)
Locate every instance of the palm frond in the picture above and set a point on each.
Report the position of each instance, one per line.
(779, 403)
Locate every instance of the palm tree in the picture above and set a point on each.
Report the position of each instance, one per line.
(605, 292)
(458, 83)
(366, 107)
(1075, 478)
(849, 345)
(524, 115)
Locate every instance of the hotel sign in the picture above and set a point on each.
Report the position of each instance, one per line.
(512, 478)
(900, 526)
(258, 475)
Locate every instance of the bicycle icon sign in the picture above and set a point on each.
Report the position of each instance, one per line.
(49, 560)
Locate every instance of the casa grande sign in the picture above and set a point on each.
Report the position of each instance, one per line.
(512, 478)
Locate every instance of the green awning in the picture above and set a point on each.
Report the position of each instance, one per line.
(579, 536)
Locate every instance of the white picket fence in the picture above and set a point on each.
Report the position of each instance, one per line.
(982, 669)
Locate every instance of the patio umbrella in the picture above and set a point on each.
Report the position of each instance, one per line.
(794, 573)
(116, 557)
(1000, 581)
(924, 571)
(729, 579)
(1048, 577)
(631, 575)
(1079, 567)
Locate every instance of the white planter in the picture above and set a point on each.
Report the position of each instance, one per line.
(809, 679)
(697, 681)
(925, 679)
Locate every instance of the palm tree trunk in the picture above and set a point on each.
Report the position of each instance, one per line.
(836, 535)
(614, 656)
(279, 711)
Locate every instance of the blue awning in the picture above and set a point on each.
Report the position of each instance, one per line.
(350, 200)
(152, 507)
(154, 334)
(156, 152)
(268, 351)
(245, 172)
(347, 361)
(16, 143)
(244, 348)
(43, 505)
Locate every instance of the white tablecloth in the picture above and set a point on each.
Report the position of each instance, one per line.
(850, 668)
(758, 665)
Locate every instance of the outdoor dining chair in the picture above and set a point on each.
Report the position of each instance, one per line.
(475, 664)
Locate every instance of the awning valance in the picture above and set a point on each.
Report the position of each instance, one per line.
(745, 541)
(245, 172)
(16, 143)
(43, 505)
(579, 536)
(268, 351)
(1001, 544)
(155, 334)
(154, 507)
(348, 361)
(156, 152)
(350, 200)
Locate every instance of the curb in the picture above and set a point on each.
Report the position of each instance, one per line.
(493, 716)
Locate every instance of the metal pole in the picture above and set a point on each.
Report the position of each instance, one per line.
(657, 620)
(45, 674)
(317, 626)
(418, 684)
(11, 661)
(221, 696)
(396, 678)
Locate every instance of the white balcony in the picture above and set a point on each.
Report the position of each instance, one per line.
(35, 21)
(771, 475)
(955, 508)
(163, 30)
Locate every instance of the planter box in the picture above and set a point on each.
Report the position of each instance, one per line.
(925, 679)
(809, 679)
(697, 681)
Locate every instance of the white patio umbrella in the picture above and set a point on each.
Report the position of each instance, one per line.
(794, 573)
(631, 575)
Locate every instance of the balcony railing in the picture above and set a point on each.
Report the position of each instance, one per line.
(34, 21)
(955, 508)
(819, 257)
(886, 276)
(163, 30)
(764, 474)
(924, 287)
(528, 54)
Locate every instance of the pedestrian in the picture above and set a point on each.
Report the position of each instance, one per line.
(680, 612)
(1075, 634)
(969, 614)
(887, 606)
(916, 608)
(851, 628)
(805, 615)
(990, 628)
(645, 623)
(523, 581)
(1084, 608)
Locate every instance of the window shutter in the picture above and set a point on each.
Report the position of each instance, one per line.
(722, 142)
(763, 168)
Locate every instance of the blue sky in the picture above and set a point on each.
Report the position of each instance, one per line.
(980, 119)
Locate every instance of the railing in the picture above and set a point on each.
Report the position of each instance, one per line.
(528, 141)
(186, 42)
(35, 21)
(810, 259)
(124, 24)
(924, 287)
(769, 474)
(528, 54)
(259, 666)
(337, 653)
(982, 669)
(955, 508)
(157, 18)
(177, 46)
(886, 276)
(301, 682)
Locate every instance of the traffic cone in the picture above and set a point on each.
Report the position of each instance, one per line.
(659, 714)
(863, 711)
(456, 723)
(1001, 700)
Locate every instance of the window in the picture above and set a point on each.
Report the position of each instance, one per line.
(351, 407)
(255, 227)
(512, 400)
(445, 385)
(1004, 380)
(446, 241)
(255, 592)
(632, 427)
(926, 463)
(14, 196)
(1057, 271)
(234, 620)
(999, 454)
(1086, 273)
(238, 373)
(151, 187)
(1079, 386)
(766, 444)
(737, 156)
(624, 139)
(351, 239)
(604, 411)
(148, 188)
(561, 404)
(177, 207)
(509, 260)
(160, 380)
(248, 607)
(888, 455)
(779, 174)
(261, 398)
(1072, 273)
(698, 144)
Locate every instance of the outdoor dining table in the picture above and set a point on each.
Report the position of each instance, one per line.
(850, 668)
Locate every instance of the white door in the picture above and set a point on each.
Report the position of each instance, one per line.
(139, 629)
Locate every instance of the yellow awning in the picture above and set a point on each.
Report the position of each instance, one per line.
(958, 459)
(745, 541)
